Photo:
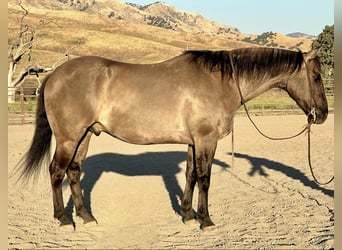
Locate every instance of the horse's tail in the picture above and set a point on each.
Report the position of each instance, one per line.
(39, 151)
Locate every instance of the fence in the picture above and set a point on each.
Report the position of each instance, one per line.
(22, 103)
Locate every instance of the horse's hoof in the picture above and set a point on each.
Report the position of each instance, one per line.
(67, 227)
(189, 217)
(206, 224)
(190, 222)
(90, 224)
(209, 228)
(66, 223)
(86, 216)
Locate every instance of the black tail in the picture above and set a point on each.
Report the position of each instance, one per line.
(39, 151)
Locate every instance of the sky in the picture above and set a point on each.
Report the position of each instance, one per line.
(258, 16)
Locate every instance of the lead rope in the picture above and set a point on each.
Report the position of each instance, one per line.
(307, 127)
(309, 160)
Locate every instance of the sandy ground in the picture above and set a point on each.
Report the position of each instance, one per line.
(266, 200)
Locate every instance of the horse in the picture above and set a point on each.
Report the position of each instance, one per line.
(189, 99)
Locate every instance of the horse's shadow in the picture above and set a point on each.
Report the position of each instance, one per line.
(259, 164)
(167, 166)
(163, 164)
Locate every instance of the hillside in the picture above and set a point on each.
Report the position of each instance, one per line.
(104, 36)
(158, 14)
(129, 32)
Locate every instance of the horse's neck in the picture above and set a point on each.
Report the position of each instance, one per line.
(251, 89)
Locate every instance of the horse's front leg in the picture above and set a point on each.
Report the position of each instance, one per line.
(186, 207)
(204, 154)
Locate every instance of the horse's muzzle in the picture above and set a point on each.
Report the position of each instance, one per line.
(317, 117)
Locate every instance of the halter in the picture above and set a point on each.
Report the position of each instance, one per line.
(307, 127)
(313, 109)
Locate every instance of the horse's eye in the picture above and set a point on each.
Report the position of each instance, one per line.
(317, 78)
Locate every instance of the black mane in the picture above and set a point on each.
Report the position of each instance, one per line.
(249, 62)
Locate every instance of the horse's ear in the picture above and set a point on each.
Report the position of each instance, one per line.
(311, 54)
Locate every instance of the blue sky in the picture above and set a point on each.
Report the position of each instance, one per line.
(258, 16)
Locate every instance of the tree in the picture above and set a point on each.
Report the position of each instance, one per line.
(20, 52)
(325, 41)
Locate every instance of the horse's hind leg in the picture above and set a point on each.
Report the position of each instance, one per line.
(74, 174)
(63, 155)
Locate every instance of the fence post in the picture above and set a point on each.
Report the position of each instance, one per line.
(22, 107)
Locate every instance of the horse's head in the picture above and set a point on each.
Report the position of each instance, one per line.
(306, 88)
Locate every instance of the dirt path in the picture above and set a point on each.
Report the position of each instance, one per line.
(267, 200)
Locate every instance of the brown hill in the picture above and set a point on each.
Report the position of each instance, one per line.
(157, 14)
(128, 32)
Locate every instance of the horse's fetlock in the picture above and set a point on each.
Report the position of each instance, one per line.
(186, 206)
(80, 209)
(58, 214)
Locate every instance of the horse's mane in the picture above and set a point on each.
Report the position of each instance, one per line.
(249, 62)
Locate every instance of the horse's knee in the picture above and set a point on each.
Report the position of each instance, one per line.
(74, 173)
(61, 161)
(204, 182)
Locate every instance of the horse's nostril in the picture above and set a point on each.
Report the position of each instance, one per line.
(313, 115)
